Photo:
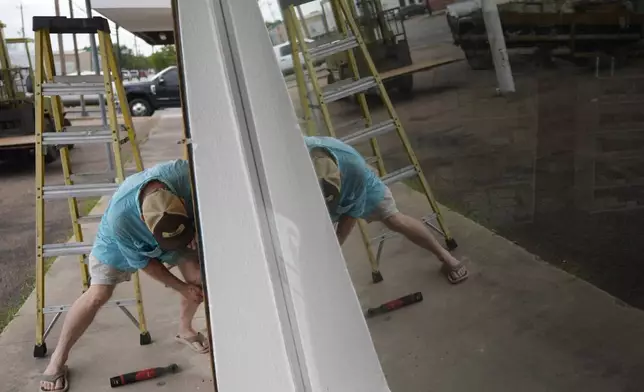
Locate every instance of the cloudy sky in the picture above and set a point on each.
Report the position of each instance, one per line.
(11, 17)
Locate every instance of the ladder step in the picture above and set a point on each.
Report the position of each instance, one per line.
(91, 135)
(100, 177)
(399, 175)
(331, 48)
(70, 79)
(53, 192)
(368, 133)
(67, 249)
(63, 24)
(427, 219)
(74, 85)
(112, 303)
(89, 219)
(81, 135)
(346, 88)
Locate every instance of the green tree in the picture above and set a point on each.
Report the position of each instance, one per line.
(129, 60)
(163, 58)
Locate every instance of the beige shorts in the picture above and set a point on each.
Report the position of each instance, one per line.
(104, 274)
(384, 209)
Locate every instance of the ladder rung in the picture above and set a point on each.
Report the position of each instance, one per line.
(89, 219)
(53, 192)
(368, 133)
(86, 136)
(83, 135)
(399, 175)
(70, 79)
(342, 89)
(67, 249)
(74, 85)
(87, 110)
(389, 234)
(112, 303)
(331, 48)
(101, 177)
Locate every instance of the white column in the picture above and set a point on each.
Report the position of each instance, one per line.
(497, 46)
(282, 309)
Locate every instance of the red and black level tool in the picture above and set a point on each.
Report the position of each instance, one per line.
(395, 304)
(142, 375)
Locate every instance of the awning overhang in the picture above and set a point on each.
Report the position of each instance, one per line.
(151, 20)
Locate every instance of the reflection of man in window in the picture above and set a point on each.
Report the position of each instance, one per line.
(353, 191)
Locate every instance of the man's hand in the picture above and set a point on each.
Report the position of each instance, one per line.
(192, 292)
(193, 244)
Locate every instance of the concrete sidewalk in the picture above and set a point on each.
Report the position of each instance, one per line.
(517, 324)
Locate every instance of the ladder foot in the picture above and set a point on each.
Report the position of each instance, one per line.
(40, 350)
(376, 277)
(451, 243)
(145, 339)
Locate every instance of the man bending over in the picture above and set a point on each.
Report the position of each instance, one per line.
(148, 223)
(353, 191)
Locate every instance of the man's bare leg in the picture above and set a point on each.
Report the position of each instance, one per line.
(418, 233)
(191, 272)
(79, 317)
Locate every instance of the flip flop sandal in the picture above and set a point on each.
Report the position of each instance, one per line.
(454, 274)
(190, 342)
(64, 374)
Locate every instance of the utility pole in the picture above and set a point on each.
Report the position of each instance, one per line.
(118, 54)
(303, 21)
(496, 38)
(101, 97)
(61, 49)
(77, 60)
(323, 4)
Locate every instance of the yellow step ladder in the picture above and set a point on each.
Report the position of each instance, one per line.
(47, 84)
(351, 39)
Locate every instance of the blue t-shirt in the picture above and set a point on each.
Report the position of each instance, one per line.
(123, 240)
(361, 190)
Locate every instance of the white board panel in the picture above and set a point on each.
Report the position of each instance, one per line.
(249, 153)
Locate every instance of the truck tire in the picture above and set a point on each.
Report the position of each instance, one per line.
(140, 107)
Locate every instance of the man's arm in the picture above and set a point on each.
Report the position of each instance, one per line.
(345, 225)
(160, 273)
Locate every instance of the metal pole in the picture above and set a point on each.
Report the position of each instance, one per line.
(61, 49)
(303, 21)
(101, 97)
(118, 46)
(324, 20)
(77, 60)
(497, 46)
